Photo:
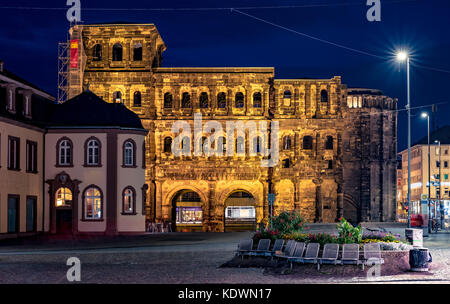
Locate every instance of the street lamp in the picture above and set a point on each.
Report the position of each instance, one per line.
(403, 56)
(425, 115)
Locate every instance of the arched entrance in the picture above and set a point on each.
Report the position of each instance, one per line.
(63, 204)
(240, 211)
(63, 194)
(187, 212)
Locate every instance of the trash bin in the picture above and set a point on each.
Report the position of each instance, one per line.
(419, 258)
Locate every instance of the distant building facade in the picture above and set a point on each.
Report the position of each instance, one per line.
(321, 131)
(439, 172)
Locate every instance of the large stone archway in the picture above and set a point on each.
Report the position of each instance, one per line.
(170, 206)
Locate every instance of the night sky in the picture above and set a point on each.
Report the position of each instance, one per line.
(29, 38)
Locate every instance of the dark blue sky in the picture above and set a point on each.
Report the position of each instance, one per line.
(28, 42)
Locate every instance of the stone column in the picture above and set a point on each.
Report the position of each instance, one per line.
(265, 198)
(340, 201)
(319, 204)
(159, 201)
(208, 213)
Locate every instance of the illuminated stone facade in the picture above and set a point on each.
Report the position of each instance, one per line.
(313, 116)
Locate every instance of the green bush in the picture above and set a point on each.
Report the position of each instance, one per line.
(287, 222)
(347, 233)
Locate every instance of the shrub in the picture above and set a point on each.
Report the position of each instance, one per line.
(380, 237)
(287, 222)
(347, 233)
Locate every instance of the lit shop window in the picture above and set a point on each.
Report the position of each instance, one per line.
(240, 213)
(189, 215)
(63, 197)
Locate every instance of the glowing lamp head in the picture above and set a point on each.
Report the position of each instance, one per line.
(402, 56)
(424, 115)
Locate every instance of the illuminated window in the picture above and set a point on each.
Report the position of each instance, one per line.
(92, 204)
(240, 213)
(63, 197)
(129, 201)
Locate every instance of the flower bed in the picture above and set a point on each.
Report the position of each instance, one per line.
(290, 226)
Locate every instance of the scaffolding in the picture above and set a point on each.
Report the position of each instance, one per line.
(70, 80)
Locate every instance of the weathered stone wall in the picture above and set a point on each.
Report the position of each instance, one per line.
(319, 180)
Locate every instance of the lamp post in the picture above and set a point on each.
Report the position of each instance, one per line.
(403, 56)
(425, 115)
(439, 196)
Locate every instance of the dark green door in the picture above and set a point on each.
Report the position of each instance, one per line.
(31, 214)
(13, 223)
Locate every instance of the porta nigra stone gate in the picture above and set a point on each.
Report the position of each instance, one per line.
(337, 146)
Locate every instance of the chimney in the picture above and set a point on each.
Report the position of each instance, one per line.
(1, 65)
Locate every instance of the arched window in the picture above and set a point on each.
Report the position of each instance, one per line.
(239, 100)
(117, 52)
(287, 143)
(222, 100)
(329, 143)
(307, 143)
(204, 100)
(137, 52)
(186, 145)
(65, 152)
(129, 153)
(240, 145)
(117, 96)
(324, 96)
(257, 100)
(221, 144)
(63, 197)
(186, 100)
(286, 163)
(92, 203)
(129, 201)
(168, 101)
(167, 145)
(92, 150)
(97, 52)
(349, 102)
(137, 100)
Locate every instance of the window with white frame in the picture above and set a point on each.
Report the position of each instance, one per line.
(128, 154)
(92, 204)
(93, 153)
(65, 153)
